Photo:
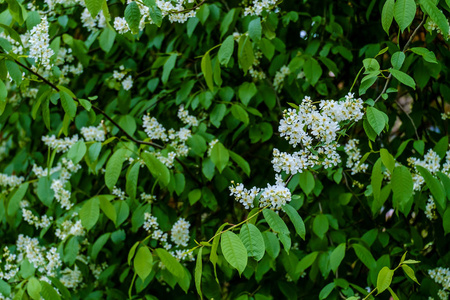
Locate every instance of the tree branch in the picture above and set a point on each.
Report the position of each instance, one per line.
(388, 80)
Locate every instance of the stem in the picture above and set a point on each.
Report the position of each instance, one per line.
(357, 75)
(46, 81)
(404, 50)
(371, 292)
(189, 9)
(130, 290)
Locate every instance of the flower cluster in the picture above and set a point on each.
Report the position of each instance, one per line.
(259, 6)
(179, 235)
(431, 162)
(176, 139)
(10, 181)
(430, 209)
(120, 76)
(70, 228)
(316, 131)
(176, 13)
(279, 77)
(61, 145)
(93, 24)
(441, 276)
(93, 133)
(148, 198)
(431, 26)
(258, 75)
(354, 157)
(39, 44)
(37, 222)
(119, 193)
(186, 118)
(65, 170)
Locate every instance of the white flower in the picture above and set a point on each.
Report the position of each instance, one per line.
(39, 44)
(127, 83)
(180, 232)
(93, 133)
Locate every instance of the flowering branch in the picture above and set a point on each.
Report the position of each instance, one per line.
(93, 106)
(189, 9)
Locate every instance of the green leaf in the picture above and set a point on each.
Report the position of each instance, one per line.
(410, 272)
(365, 256)
(436, 15)
(114, 167)
(255, 29)
(306, 262)
(143, 262)
(337, 256)
(436, 188)
(157, 168)
(296, 219)
(133, 16)
(321, 225)
(106, 39)
(371, 64)
(404, 12)
(246, 92)
(226, 50)
(376, 119)
(445, 182)
(155, 12)
(207, 71)
(132, 179)
(242, 163)
(34, 288)
(253, 241)
(69, 105)
(403, 78)
(393, 294)
(275, 222)
(220, 156)
(94, 7)
(397, 59)
(198, 273)
(402, 185)
(245, 53)
(427, 55)
(239, 113)
(376, 179)
(446, 220)
(306, 181)
(325, 292)
(384, 279)
(213, 255)
(168, 67)
(387, 159)
(286, 241)
(16, 11)
(90, 212)
(44, 191)
(107, 208)
(48, 292)
(14, 202)
(234, 251)
(14, 71)
(271, 243)
(77, 152)
(387, 15)
(171, 263)
(312, 71)
(98, 245)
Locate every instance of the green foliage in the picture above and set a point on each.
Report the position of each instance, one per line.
(183, 104)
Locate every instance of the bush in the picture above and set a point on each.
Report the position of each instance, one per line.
(181, 149)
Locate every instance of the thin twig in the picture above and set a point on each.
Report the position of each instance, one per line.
(409, 117)
(93, 107)
(404, 50)
(189, 9)
(111, 120)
